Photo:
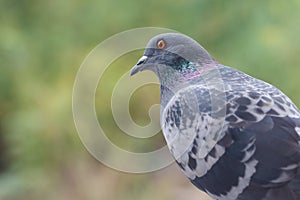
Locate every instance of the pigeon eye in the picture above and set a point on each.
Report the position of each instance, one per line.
(161, 44)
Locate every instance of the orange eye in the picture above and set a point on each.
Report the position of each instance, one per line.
(161, 44)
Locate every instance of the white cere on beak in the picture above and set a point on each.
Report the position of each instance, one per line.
(141, 60)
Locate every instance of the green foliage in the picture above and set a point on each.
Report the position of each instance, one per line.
(42, 44)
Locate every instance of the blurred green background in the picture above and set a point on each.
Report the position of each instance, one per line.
(42, 44)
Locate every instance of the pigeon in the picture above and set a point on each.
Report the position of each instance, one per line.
(232, 135)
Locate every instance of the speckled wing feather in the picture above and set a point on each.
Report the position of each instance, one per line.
(256, 148)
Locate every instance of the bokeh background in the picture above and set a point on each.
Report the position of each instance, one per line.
(43, 43)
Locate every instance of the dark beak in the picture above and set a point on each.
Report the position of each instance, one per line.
(139, 66)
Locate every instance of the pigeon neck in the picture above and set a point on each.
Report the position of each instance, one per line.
(172, 83)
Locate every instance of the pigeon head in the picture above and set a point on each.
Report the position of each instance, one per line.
(173, 55)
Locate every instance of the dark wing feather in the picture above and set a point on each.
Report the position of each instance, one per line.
(226, 173)
(277, 153)
(294, 185)
(278, 156)
(256, 192)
